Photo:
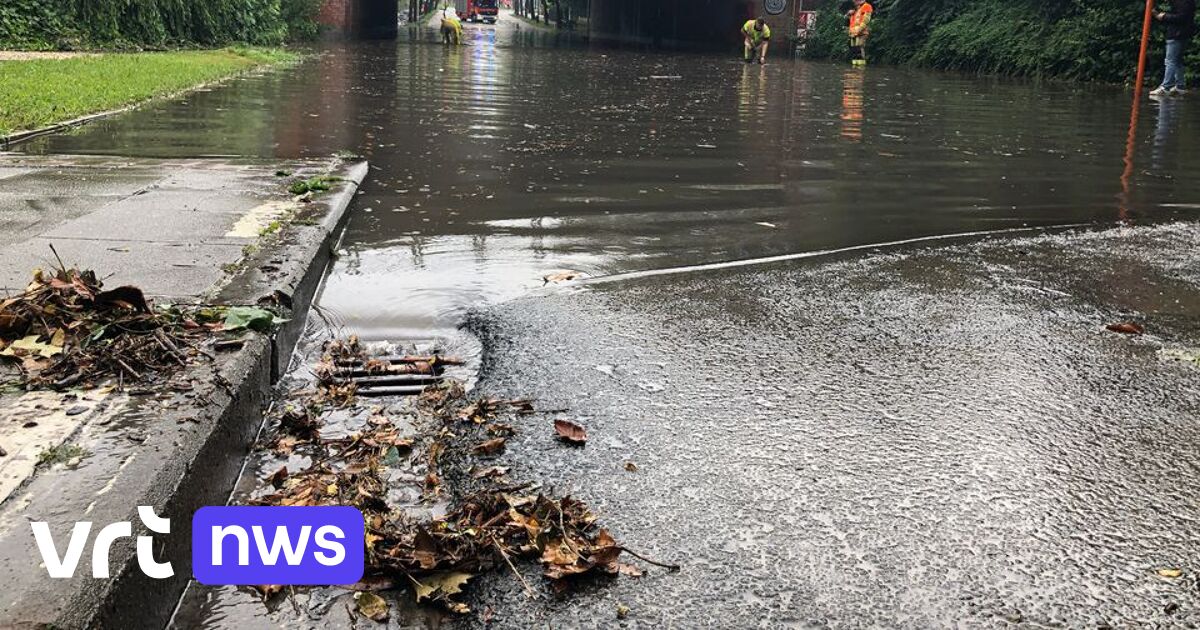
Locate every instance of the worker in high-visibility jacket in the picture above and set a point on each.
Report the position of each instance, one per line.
(860, 30)
(451, 27)
(758, 37)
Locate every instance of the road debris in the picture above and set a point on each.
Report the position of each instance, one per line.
(570, 432)
(559, 277)
(65, 330)
(489, 524)
(1126, 328)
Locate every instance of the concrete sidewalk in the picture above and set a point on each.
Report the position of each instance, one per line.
(185, 231)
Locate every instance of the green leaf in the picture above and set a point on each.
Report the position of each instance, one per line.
(250, 317)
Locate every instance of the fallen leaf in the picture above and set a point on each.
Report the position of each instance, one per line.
(250, 317)
(563, 276)
(1170, 573)
(285, 444)
(425, 549)
(278, 477)
(31, 346)
(558, 552)
(373, 583)
(622, 611)
(445, 583)
(125, 297)
(1189, 355)
(625, 568)
(267, 591)
(570, 432)
(371, 606)
(494, 471)
(490, 447)
(1126, 328)
(631, 467)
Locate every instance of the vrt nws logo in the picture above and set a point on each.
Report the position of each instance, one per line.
(775, 7)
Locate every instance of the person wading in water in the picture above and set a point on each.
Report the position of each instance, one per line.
(758, 37)
(860, 29)
(451, 27)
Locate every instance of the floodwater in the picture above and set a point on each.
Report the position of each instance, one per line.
(522, 153)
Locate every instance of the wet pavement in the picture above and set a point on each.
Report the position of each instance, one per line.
(522, 152)
(914, 438)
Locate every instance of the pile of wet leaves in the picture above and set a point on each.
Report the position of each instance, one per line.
(490, 524)
(65, 330)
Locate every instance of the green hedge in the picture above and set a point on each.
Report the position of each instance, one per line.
(49, 24)
(1094, 40)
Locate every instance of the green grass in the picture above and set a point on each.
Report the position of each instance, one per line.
(61, 454)
(40, 92)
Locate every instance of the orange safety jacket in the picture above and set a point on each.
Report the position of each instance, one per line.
(860, 22)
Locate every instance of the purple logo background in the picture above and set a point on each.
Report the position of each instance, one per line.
(309, 569)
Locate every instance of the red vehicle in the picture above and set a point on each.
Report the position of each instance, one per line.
(478, 10)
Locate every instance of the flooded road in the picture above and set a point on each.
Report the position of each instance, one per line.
(522, 153)
(940, 437)
(882, 441)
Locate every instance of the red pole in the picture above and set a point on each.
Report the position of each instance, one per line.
(1131, 138)
(1141, 71)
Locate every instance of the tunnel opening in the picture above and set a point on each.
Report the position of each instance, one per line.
(378, 19)
(359, 19)
(677, 24)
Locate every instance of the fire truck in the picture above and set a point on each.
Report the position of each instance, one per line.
(478, 10)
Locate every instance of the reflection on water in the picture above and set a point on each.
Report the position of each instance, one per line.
(852, 104)
(498, 161)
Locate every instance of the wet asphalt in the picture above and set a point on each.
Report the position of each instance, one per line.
(923, 437)
(918, 436)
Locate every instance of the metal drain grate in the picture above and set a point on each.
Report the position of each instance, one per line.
(406, 375)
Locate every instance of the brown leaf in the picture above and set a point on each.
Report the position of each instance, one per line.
(1126, 328)
(277, 478)
(373, 583)
(490, 447)
(570, 432)
(499, 428)
(529, 523)
(563, 276)
(267, 591)
(425, 549)
(494, 471)
(125, 297)
(285, 444)
(559, 553)
(625, 568)
(631, 467)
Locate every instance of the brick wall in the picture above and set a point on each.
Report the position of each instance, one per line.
(337, 17)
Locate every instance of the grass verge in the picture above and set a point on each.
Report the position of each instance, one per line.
(35, 93)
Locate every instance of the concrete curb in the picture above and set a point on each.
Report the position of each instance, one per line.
(187, 451)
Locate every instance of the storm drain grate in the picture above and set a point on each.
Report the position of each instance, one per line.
(405, 375)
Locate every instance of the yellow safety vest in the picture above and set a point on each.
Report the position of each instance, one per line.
(754, 34)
